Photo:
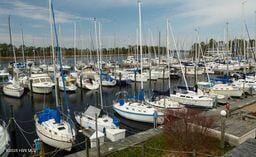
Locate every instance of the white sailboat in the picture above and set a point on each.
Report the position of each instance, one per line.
(105, 123)
(165, 102)
(51, 128)
(14, 89)
(190, 98)
(137, 110)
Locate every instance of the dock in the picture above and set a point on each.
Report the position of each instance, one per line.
(110, 147)
(239, 125)
(239, 128)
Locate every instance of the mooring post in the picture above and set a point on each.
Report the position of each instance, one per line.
(120, 77)
(80, 81)
(97, 138)
(31, 87)
(163, 78)
(87, 145)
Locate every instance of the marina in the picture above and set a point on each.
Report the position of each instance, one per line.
(92, 94)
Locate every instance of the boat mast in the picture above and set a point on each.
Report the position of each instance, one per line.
(140, 40)
(178, 55)
(22, 46)
(10, 35)
(100, 65)
(61, 72)
(53, 54)
(168, 54)
(254, 35)
(75, 43)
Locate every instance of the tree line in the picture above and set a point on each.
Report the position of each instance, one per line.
(29, 51)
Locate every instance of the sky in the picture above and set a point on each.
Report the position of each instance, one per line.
(119, 20)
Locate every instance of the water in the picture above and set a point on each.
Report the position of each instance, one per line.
(24, 109)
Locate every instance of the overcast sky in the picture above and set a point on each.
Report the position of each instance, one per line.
(119, 20)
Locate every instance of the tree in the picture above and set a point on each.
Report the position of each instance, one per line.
(187, 129)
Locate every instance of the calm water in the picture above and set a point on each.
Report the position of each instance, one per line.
(24, 109)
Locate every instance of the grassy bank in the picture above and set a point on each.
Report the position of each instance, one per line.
(159, 147)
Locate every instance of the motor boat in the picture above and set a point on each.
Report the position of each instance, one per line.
(193, 99)
(41, 83)
(14, 89)
(227, 90)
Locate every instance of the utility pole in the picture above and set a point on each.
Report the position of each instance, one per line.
(223, 114)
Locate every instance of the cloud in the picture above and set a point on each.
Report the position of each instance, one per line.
(34, 12)
(205, 13)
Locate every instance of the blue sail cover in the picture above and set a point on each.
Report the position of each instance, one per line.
(105, 76)
(223, 79)
(48, 114)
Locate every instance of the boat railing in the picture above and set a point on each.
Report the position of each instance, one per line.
(2, 123)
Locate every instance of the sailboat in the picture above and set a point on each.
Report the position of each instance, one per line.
(4, 139)
(190, 98)
(105, 123)
(51, 128)
(14, 89)
(137, 110)
(165, 102)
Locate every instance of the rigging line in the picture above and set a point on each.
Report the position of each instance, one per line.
(9, 122)
(27, 121)
(32, 132)
(61, 68)
(23, 134)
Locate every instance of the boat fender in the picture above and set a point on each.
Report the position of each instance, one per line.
(116, 121)
(121, 102)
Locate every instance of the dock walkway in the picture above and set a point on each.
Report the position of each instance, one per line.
(110, 147)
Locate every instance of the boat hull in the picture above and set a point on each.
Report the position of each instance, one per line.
(41, 90)
(145, 118)
(192, 102)
(13, 93)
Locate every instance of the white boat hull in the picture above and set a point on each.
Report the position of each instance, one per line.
(192, 102)
(13, 93)
(41, 90)
(54, 143)
(109, 83)
(145, 118)
(233, 93)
